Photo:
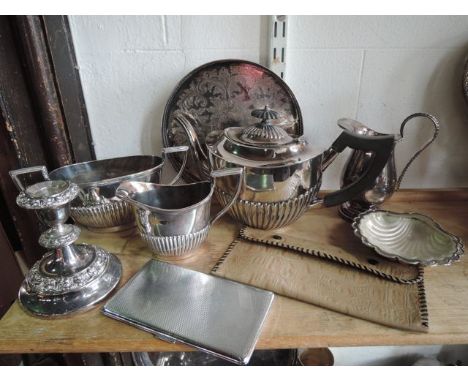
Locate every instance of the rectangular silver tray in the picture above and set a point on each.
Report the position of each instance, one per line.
(215, 315)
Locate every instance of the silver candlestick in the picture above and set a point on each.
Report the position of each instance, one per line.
(69, 277)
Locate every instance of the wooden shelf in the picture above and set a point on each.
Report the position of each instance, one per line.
(291, 324)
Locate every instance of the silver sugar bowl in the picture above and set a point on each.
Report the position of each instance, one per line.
(69, 277)
(97, 207)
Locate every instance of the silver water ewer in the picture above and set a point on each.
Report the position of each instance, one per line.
(69, 277)
(359, 161)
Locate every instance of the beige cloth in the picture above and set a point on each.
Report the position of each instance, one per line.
(318, 260)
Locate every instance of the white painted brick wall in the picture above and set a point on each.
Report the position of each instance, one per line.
(369, 32)
(375, 69)
(379, 70)
(129, 66)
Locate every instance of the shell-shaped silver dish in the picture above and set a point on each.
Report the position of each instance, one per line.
(410, 238)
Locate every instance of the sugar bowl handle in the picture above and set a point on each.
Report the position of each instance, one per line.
(177, 149)
(198, 149)
(436, 126)
(28, 170)
(239, 171)
(183, 119)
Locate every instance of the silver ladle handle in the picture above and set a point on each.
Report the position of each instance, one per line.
(239, 171)
(28, 170)
(436, 126)
(171, 150)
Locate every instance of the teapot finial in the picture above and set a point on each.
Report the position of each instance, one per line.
(265, 132)
(265, 114)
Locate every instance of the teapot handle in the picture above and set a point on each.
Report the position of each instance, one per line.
(239, 171)
(381, 147)
(436, 126)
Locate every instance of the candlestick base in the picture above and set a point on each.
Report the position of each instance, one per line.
(47, 294)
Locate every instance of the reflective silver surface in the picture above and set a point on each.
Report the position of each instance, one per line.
(58, 295)
(265, 131)
(278, 357)
(277, 167)
(97, 206)
(174, 220)
(70, 277)
(175, 246)
(358, 162)
(215, 315)
(107, 217)
(269, 215)
(408, 237)
(273, 184)
(222, 94)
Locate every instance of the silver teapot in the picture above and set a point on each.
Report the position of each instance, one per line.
(283, 173)
(359, 161)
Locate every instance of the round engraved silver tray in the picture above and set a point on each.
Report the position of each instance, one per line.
(409, 238)
(222, 94)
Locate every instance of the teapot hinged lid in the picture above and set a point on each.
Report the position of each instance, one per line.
(263, 144)
(264, 133)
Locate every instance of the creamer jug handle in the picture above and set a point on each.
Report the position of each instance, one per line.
(239, 172)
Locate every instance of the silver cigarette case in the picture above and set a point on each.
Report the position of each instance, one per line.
(218, 316)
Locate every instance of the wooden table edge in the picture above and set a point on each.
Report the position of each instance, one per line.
(154, 345)
(403, 338)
